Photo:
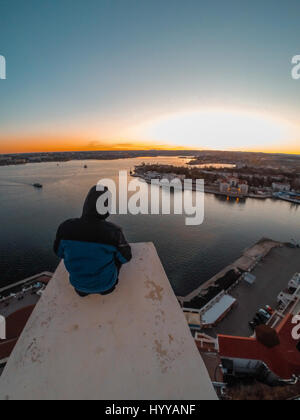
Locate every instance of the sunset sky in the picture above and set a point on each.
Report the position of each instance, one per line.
(137, 74)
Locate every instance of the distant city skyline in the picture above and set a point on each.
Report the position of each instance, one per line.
(132, 75)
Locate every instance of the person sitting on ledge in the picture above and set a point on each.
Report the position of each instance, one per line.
(93, 249)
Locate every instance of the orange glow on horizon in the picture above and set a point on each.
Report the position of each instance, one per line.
(61, 145)
(58, 144)
(204, 129)
(224, 129)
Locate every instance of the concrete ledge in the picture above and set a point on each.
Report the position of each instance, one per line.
(132, 344)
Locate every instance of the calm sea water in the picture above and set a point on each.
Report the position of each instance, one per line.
(191, 255)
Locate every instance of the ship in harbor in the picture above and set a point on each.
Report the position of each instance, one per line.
(289, 196)
(17, 302)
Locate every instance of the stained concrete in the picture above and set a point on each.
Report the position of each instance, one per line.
(132, 344)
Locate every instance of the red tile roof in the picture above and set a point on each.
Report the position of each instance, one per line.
(16, 322)
(6, 347)
(283, 360)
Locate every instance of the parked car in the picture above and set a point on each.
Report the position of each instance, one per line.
(269, 309)
(255, 322)
(261, 317)
(264, 315)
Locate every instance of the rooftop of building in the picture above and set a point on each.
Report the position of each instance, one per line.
(17, 302)
(282, 359)
(21, 294)
(134, 344)
(272, 276)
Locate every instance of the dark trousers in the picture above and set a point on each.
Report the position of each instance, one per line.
(107, 292)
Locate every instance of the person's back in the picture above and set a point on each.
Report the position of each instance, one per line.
(93, 249)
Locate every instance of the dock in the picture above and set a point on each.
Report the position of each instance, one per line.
(247, 262)
(228, 302)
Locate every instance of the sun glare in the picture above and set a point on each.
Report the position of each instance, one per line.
(219, 129)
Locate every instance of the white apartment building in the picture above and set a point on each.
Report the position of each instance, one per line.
(280, 187)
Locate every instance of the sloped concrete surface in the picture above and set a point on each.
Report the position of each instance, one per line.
(132, 344)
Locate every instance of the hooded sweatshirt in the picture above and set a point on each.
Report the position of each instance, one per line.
(92, 248)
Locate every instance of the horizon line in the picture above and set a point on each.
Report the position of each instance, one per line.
(151, 150)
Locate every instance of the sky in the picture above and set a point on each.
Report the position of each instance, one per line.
(145, 74)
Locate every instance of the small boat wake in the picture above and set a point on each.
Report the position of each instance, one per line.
(9, 183)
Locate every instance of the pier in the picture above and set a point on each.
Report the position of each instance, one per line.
(249, 259)
(272, 264)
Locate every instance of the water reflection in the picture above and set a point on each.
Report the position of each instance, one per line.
(190, 254)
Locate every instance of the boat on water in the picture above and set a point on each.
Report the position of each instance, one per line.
(17, 302)
(37, 185)
(291, 197)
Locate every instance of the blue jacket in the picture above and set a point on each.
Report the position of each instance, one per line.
(92, 248)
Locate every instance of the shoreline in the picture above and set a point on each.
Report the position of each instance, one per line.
(209, 190)
(244, 196)
(99, 156)
(245, 263)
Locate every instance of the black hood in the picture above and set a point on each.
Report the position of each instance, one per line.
(90, 205)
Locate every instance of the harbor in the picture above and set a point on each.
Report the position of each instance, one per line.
(231, 298)
(231, 188)
(288, 196)
(246, 263)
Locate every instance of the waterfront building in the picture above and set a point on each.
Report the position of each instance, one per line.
(152, 175)
(234, 187)
(273, 354)
(170, 177)
(233, 181)
(280, 187)
(244, 189)
(224, 187)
